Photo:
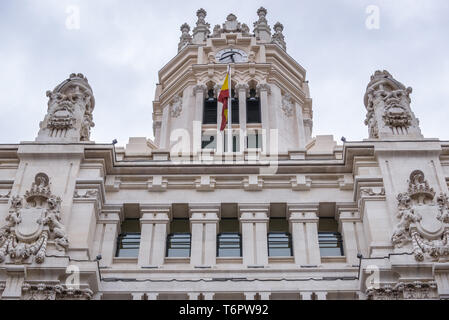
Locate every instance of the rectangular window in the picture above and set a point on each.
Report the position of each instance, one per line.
(330, 241)
(253, 110)
(210, 111)
(128, 242)
(235, 142)
(254, 140)
(279, 239)
(178, 241)
(235, 111)
(229, 240)
(209, 141)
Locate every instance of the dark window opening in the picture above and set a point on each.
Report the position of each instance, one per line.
(279, 239)
(235, 109)
(253, 108)
(229, 240)
(235, 143)
(128, 242)
(178, 241)
(208, 141)
(210, 108)
(330, 240)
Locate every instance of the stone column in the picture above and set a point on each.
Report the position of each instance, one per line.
(300, 125)
(250, 295)
(304, 230)
(154, 225)
(199, 91)
(208, 295)
(306, 295)
(321, 295)
(264, 89)
(152, 296)
(193, 295)
(265, 295)
(204, 226)
(254, 226)
(111, 231)
(137, 295)
(348, 220)
(165, 128)
(242, 91)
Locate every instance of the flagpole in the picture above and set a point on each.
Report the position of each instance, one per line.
(230, 111)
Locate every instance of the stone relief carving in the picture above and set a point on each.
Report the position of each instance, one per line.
(42, 291)
(5, 196)
(89, 194)
(278, 36)
(69, 114)
(369, 192)
(387, 102)
(32, 221)
(423, 221)
(417, 290)
(176, 107)
(231, 25)
(287, 105)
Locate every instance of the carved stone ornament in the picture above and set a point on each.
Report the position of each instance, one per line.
(231, 25)
(417, 290)
(387, 102)
(32, 221)
(44, 291)
(369, 192)
(278, 36)
(69, 115)
(185, 38)
(423, 221)
(287, 105)
(176, 107)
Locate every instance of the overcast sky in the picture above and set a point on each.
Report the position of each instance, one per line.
(121, 45)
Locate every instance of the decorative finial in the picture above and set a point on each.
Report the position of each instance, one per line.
(185, 38)
(261, 28)
(201, 30)
(278, 37)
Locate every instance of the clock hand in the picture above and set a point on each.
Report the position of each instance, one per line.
(231, 55)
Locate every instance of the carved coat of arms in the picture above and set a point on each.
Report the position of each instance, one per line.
(32, 221)
(424, 220)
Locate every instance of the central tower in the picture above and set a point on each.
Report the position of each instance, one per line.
(271, 104)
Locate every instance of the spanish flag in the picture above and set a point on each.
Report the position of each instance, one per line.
(223, 97)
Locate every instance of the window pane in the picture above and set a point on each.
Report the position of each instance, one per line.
(178, 245)
(128, 241)
(208, 141)
(229, 245)
(279, 244)
(210, 111)
(253, 110)
(254, 140)
(235, 111)
(331, 244)
(235, 143)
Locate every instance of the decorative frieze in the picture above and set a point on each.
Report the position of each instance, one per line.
(417, 290)
(43, 291)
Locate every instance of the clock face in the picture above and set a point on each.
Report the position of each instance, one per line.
(231, 56)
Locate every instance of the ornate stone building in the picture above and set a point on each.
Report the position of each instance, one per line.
(284, 215)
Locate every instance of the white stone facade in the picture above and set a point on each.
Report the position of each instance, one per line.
(64, 198)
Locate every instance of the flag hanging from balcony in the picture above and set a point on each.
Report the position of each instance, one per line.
(223, 97)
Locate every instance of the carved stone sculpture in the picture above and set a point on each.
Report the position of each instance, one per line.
(287, 105)
(69, 116)
(423, 221)
(387, 102)
(176, 107)
(278, 36)
(185, 38)
(417, 290)
(32, 221)
(42, 291)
